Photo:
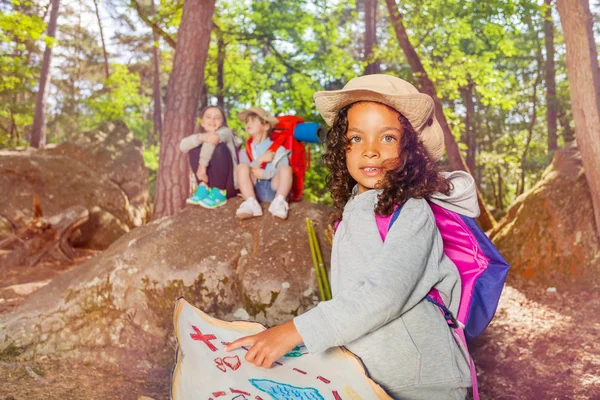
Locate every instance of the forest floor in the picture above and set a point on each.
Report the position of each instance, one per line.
(541, 345)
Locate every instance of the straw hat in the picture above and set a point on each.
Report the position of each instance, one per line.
(262, 113)
(418, 108)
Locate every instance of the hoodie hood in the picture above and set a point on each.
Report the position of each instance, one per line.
(463, 197)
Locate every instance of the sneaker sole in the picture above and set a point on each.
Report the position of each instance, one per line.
(192, 202)
(201, 204)
(246, 216)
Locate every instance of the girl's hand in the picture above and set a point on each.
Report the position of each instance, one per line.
(212, 138)
(270, 345)
(267, 157)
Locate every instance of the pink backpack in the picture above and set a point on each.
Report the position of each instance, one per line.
(481, 267)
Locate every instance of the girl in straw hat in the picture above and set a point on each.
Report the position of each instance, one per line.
(382, 150)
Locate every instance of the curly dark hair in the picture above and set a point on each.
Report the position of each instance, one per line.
(415, 175)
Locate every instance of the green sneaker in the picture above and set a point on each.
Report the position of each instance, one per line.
(216, 198)
(200, 194)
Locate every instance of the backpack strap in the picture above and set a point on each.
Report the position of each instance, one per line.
(450, 319)
(273, 147)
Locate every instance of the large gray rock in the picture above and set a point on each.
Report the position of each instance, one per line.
(102, 170)
(122, 301)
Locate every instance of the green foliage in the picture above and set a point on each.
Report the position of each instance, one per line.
(120, 99)
(151, 162)
(18, 76)
(498, 49)
(276, 54)
(315, 182)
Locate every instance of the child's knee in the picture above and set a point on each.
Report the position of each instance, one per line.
(243, 169)
(286, 170)
(221, 150)
(244, 172)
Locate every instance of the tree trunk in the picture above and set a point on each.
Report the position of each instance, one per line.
(500, 203)
(534, 100)
(106, 68)
(220, 71)
(455, 158)
(551, 103)
(370, 36)
(203, 96)
(584, 83)
(38, 132)
(568, 133)
(183, 97)
(156, 93)
(471, 140)
(521, 185)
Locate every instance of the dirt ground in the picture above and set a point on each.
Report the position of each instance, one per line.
(541, 345)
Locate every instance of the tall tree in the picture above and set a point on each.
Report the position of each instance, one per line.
(455, 158)
(104, 52)
(370, 36)
(470, 134)
(38, 132)
(532, 120)
(584, 82)
(183, 98)
(220, 69)
(551, 101)
(156, 92)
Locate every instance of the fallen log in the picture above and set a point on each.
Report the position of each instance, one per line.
(41, 236)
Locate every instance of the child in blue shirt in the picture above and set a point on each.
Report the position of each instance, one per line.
(264, 173)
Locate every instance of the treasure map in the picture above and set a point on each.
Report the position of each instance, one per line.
(205, 371)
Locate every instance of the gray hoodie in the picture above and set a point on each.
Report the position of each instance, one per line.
(379, 311)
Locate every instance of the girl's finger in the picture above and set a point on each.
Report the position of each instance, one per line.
(245, 341)
(268, 363)
(260, 359)
(251, 354)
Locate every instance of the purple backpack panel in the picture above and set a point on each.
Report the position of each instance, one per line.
(482, 269)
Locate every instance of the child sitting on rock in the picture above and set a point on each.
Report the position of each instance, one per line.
(213, 158)
(264, 173)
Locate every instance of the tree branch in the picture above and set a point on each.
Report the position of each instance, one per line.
(152, 25)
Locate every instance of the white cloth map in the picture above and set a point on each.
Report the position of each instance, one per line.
(204, 371)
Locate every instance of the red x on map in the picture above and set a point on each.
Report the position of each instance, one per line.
(204, 338)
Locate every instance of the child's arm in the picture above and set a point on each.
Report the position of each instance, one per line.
(195, 140)
(280, 159)
(245, 160)
(206, 153)
(225, 135)
(398, 280)
(190, 142)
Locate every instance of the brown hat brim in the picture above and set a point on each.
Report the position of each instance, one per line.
(417, 108)
(273, 121)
